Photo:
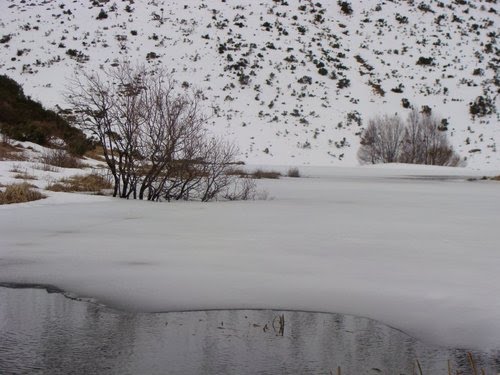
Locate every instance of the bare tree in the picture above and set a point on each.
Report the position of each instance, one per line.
(369, 151)
(108, 107)
(420, 141)
(219, 155)
(437, 148)
(412, 148)
(425, 142)
(152, 134)
(381, 141)
(172, 137)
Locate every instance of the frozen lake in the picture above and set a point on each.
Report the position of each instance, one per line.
(47, 333)
(414, 248)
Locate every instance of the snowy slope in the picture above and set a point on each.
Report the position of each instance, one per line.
(258, 64)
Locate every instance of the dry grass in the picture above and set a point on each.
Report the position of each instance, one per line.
(25, 176)
(496, 178)
(237, 172)
(9, 152)
(81, 183)
(45, 167)
(19, 193)
(16, 168)
(97, 154)
(62, 159)
(259, 173)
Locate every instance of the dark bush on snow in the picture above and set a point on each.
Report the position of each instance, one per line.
(24, 119)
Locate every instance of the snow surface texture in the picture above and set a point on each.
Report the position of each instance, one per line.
(259, 63)
(402, 246)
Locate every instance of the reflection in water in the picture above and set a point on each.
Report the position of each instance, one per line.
(46, 333)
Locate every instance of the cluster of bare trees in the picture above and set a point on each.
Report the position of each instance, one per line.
(419, 140)
(153, 136)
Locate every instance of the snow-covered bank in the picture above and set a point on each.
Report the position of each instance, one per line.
(420, 255)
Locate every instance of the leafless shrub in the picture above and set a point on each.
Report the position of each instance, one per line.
(19, 193)
(152, 135)
(263, 195)
(243, 189)
(382, 140)
(421, 140)
(426, 143)
(218, 156)
(62, 159)
(293, 172)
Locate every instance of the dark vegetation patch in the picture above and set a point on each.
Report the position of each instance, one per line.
(23, 119)
(10, 152)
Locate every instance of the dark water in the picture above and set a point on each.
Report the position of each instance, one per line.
(47, 333)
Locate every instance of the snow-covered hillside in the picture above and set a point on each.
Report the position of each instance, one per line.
(293, 82)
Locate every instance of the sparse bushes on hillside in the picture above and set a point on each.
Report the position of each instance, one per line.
(323, 71)
(401, 19)
(5, 39)
(343, 83)
(102, 15)
(78, 56)
(377, 88)
(425, 8)
(482, 106)
(419, 140)
(425, 61)
(153, 136)
(345, 7)
(305, 80)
